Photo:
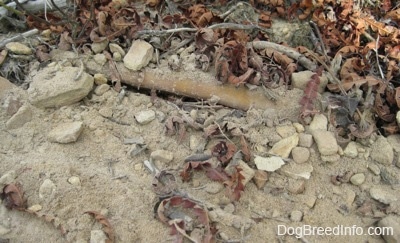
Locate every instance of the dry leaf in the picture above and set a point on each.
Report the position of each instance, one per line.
(13, 197)
(107, 228)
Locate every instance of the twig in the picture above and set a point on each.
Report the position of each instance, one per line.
(19, 37)
(377, 58)
(321, 42)
(222, 132)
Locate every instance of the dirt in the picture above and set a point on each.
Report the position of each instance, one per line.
(119, 186)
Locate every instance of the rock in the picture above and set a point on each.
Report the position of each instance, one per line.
(393, 223)
(100, 90)
(98, 236)
(326, 142)
(74, 180)
(117, 56)
(382, 195)
(98, 47)
(60, 89)
(296, 216)
(8, 178)
(270, 116)
(394, 140)
(145, 117)
(319, 122)
(357, 179)
(197, 143)
(230, 208)
(285, 131)
(260, 178)
(162, 156)
(299, 128)
(300, 154)
(19, 48)
(100, 59)
(116, 48)
(389, 176)
(268, 163)
(5, 85)
(351, 150)
(139, 55)
(100, 79)
(296, 186)
(297, 171)
(309, 200)
(35, 208)
(66, 133)
(305, 140)
(47, 190)
(374, 168)
(300, 80)
(106, 112)
(213, 187)
(382, 151)
(23, 115)
(330, 158)
(285, 146)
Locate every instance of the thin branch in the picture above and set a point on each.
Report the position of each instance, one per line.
(19, 37)
(377, 58)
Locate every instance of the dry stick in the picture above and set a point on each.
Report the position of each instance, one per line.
(377, 58)
(19, 37)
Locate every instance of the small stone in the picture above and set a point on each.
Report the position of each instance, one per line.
(47, 190)
(162, 156)
(223, 236)
(100, 79)
(296, 216)
(23, 115)
(299, 127)
(270, 116)
(393, 223)
(98, 236)
(394, 140)
(300, 154)
(117, 56)
(330, 158)
(100, 90)
(98, 47)
(196, 143)
(66, 133)
(106, 112)
(268, 163)
(296, 186)
(305, 140)
(139, 55)
(100, 59)
(309, 200)
(145, 117)
(297, 171)
(389, 176)
(285, 146)
(19, 48)
(382, 151)
(74, 180)
(326, 142)
(230, 208)
(285, 131)
(382, 195)
(340, 151)
(357, 179)
(351, 150)
(138, 167)
(374, 168)
(8, 178)
(213, 187)
(35, 208)
(116, 48)
(319, 122)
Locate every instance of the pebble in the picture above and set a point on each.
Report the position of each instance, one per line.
(47, 189)
(299, 127)
(98, 236)
(285, 131)
(390, 222)
(213, 187)
(35, 208)
(23, 115)
(100, 59)
(230, 208)
(300, 154)
(162, 156)
(330, 158)
(138, 167)
(296, 186)
(116, 48)
(117, 56)
(285, 146)
(101, 89)
(100, 79)
(305, 140)
(374, 168)
(19, 48)
(296, 216)
(394, 140)
(66, 132)
(74, 180)
(297, 171)
(309, 200)
(8, 178)
(319, 122)
(106, 112)
(196, 143)
(382, 151)
(326, 142)
(145, 117)
(270, 116)
(389, 176)
(139, 55)
(98, 47)
(351, 150)
(357, 179)
(382, 195)
(270, 164)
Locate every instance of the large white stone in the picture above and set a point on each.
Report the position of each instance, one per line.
(139, 55)
(268, 163)
(66, 133)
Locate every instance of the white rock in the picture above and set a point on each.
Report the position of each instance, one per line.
(162, 156)
(357, 179)
(326, 142)
(101, 89)
(47, 190)
(296, 216)
(305, 140)
(116, 48)
(300, 80)
(390, 222)
(98, 47)
(145, 117)
(394, 140)
(383, 195)
(285, 131)
(268, 163)
(74, 180)
(300, 154)
(351, 150)
(330, 158)
(23, 115)
(297, 171)
(35, 208)
(66, 133)
(106, 111)
(374, 168)
(319, 122)
(59, 90)
(100, 79)
(100, 59)
(299, 127)
(98, 236)
(285, 146)
(382, 151)
(139, 55)
(18, 48)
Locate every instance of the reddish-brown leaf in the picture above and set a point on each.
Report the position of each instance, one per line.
(107, 228)
(235, 186)
(224, 151)
(14, 197)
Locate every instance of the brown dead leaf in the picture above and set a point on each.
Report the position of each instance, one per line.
(13, 197)
(224, 151)
(245, 149)
(107, 228)
(65, 42)
(234, 186)
(42, 53)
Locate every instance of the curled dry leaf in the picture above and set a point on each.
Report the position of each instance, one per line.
(13, 197)
(235, 186)
(164, 184)
(224, 151)
(260, 178)
(107, 228)
(310, 93)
